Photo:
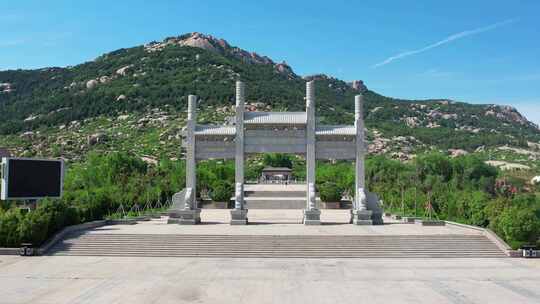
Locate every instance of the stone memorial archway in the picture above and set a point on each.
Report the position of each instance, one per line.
(277, 132)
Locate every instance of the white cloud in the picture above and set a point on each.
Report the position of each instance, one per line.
(444, 41)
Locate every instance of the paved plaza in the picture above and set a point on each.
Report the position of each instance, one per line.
(52, 279)
(90, 279)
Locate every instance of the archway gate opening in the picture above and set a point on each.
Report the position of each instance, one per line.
(275, 132)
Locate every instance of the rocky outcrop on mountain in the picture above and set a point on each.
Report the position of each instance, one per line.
(284, 68)
(508, 114)
(221, 46)
(412, 122)
(358, 85)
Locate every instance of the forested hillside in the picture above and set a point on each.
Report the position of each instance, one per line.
(62, 107)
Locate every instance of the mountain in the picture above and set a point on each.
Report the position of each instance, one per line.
(134, 99)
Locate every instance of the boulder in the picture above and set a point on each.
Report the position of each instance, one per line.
(123, 70)
(96, 138)
(457, 152)
(449, 116)
(149, 160)
(90, 84)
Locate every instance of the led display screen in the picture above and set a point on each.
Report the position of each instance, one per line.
(32, 179)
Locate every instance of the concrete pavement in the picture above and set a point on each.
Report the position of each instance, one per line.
(50, 279)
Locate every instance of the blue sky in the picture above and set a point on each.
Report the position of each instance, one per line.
(475, 51)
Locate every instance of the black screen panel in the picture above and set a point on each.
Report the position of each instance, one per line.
(34, 178)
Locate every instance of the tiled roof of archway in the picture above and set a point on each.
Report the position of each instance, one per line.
(275, 118)
(335, 130)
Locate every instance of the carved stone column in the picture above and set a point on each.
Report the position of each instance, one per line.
(191, 214)
(360, 213)
(239, 213)
(312, 215)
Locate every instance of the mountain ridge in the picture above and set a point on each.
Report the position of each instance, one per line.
(159, 75)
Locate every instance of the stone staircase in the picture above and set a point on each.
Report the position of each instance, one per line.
(278, 246)
(276, 196)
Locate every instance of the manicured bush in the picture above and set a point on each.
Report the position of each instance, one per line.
(330, 192)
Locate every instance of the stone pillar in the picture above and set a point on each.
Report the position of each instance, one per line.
(191, 213)
(312, 215)
(239, 213)
(360, 214)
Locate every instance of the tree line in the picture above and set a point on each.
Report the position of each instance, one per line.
(462, 189)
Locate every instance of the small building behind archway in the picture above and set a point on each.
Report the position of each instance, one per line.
(276, 174)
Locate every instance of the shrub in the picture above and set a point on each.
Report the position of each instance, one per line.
(277, 160)
(221, 192)
(330, 192)
(518, 226)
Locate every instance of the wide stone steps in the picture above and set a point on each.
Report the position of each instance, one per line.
(361, 246)
(275, 194)
(275, 202)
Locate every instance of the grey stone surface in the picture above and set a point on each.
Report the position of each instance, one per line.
(134, 280)
(374, 206)
(178, 201)
(310, 149)
(361, 217)
(189, 217)
(312, 217)
(239, 147)
(239, 217)
(191, 163)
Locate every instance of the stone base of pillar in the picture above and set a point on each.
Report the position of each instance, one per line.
(361, 217)
(239, 217)
(312, 217)
(187, 217)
